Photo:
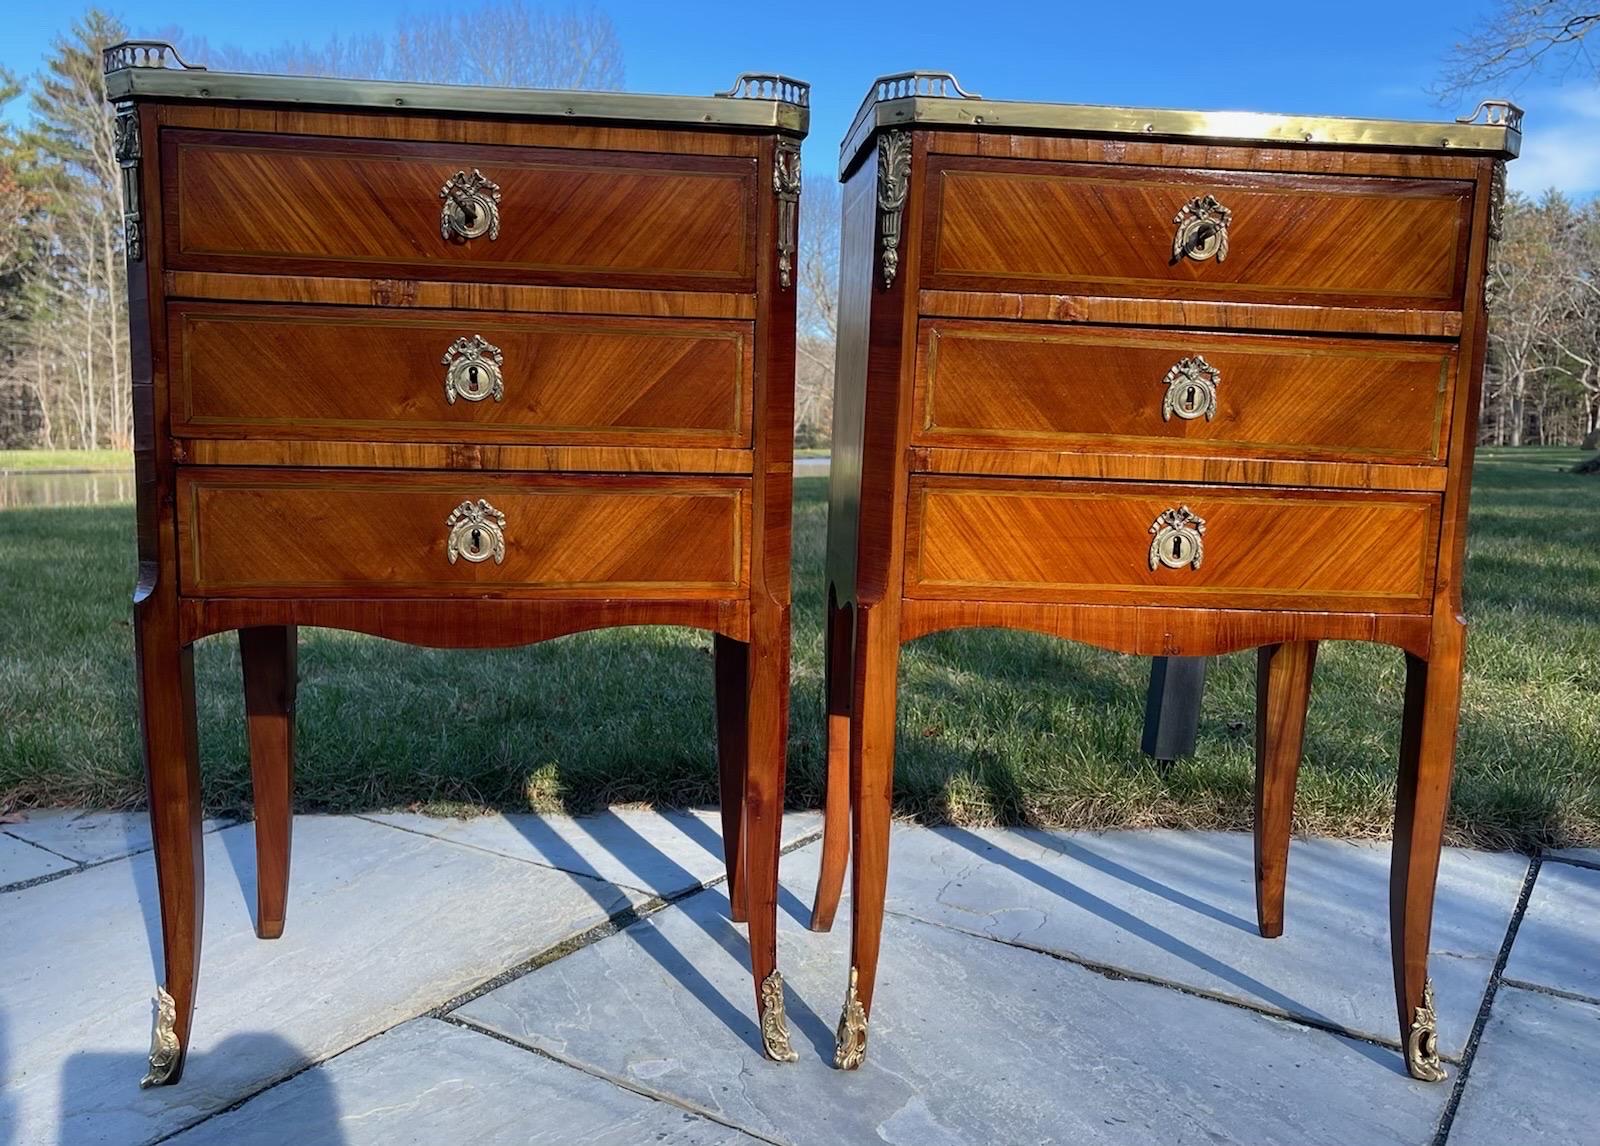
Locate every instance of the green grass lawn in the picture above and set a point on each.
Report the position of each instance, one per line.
(65, 460)
(995, 727)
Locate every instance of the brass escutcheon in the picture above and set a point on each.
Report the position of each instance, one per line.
(1202, 232)
(1177, 539)
(1191, 390)
(471, 207)
(477, 533)
(473, 370)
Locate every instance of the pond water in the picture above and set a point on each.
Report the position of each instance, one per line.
(21, 490)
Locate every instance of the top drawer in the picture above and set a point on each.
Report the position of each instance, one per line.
(299, 204)
(1073, 228)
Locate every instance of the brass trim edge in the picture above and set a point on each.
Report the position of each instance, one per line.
(138, 69)
(774, 1023)
(1495, 129)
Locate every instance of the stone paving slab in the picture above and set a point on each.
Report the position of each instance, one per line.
(1590, 856)
(972, 1041)
(21, 861)
(1558, 943)
(428, 1082)
(91, 837)
(1180, 907)
(1533, 1078)
(382, 925)
(661, 852)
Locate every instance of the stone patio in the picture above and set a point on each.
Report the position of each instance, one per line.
(555, 980)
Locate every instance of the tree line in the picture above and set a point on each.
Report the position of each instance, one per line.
(64, 361)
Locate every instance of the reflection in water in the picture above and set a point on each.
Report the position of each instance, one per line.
(23, 490)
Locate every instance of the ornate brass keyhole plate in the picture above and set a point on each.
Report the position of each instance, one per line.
(477, 533)
(1202, 232)
(474, 370)
(1191, 390)
(471, 207)
(1177, 539)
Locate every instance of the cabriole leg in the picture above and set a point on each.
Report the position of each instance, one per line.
(267, 656)
(837, 664)
(1427, 752)
(767, 732)
(731, 667)
(172, 772)
(877, 654)
(1283, 692)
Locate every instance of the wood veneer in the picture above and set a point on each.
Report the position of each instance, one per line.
(245, 202)
(1009, 305)
(1029, 225)
(335, 374)
(296, 457)
(1057, 387)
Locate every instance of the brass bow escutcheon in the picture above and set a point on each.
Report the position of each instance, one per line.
(473, 370)
(477, 533)
(471, 207)
(1177, 539)
(1191, 390)
(1202, 230)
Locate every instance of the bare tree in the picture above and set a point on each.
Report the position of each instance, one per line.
(504, 43)
(818, 309)
(1519, 37)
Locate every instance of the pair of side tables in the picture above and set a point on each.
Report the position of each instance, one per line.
(478, 367)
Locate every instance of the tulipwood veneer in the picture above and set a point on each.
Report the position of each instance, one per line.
(1172, 384)
(463, 368)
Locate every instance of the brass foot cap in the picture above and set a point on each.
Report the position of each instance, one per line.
(850, 1046)
(165, 1053)
(774, 1023)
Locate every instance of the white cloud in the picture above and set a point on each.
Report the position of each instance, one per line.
(1560, 143)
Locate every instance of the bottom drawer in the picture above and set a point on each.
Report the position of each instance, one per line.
(277, 533)
(1212, 546)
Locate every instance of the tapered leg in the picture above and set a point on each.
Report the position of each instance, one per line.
(268, 658)
(1427, 754)
(767, 733)
(731, 660)
(1283, 692)
(877, 655)
(172, 771)
(837, 661)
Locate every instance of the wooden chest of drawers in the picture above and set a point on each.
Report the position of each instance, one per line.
(457, 367)
(1172, 384)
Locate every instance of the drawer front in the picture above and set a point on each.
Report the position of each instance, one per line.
(1062, 228)
(1048, 387)
(329, 373)
(974, 539)
(325, 533)
(287, 204)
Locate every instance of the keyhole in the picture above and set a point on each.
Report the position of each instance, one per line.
(472, 378)
(469, 212)
(477, 540)
(1177, 547)
(1189, 398)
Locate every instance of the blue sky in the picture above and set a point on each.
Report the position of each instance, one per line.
(1353, 58)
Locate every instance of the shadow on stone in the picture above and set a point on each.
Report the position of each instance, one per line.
(146, 1115)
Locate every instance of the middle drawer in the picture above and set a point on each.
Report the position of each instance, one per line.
(1044, 386)
(331, 373)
